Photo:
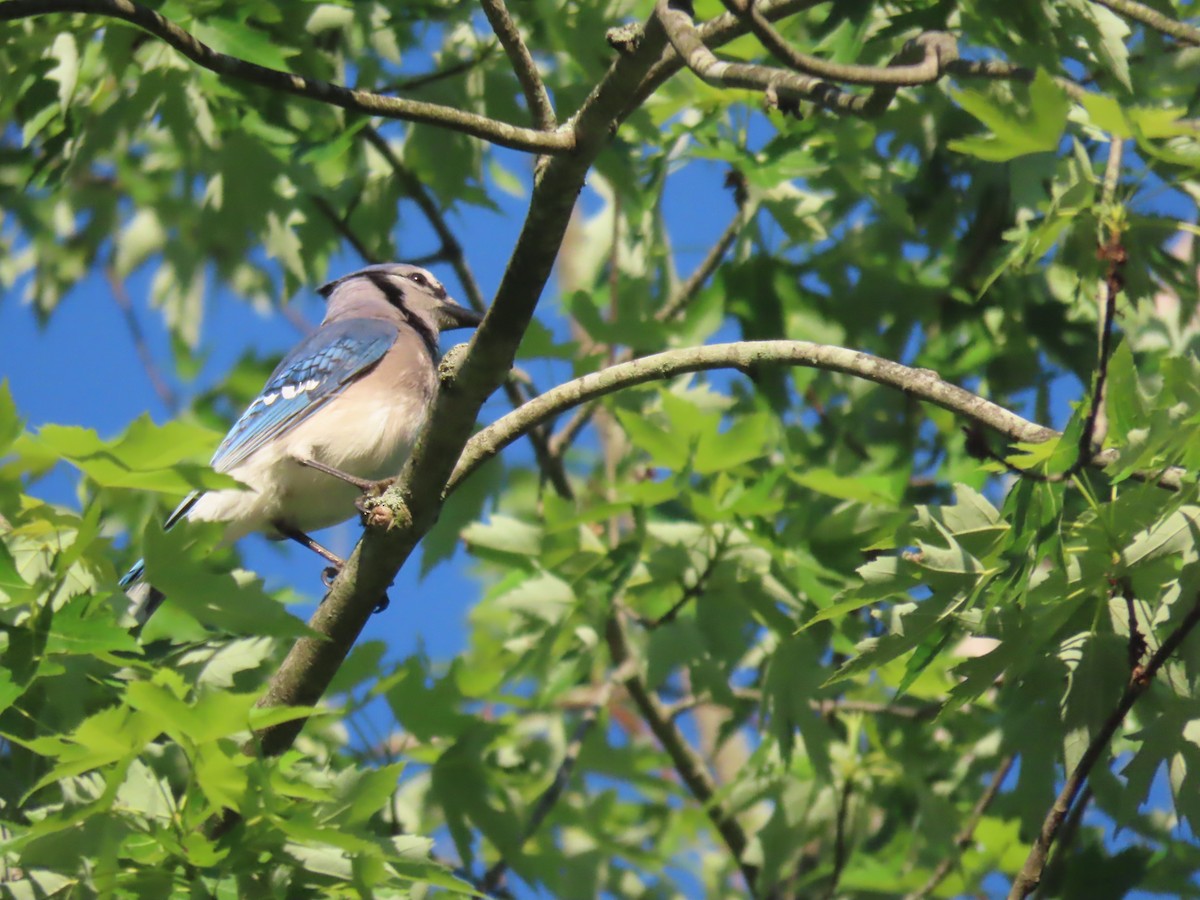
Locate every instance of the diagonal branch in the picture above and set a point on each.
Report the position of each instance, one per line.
(494, 876)
(1031, 873)
(496, 132)
(121, 296)
(522, 62)
(687, 761)
(963, 838)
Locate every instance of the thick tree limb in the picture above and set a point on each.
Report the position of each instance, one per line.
(522, 62)
(1031, 873)
(527, 139)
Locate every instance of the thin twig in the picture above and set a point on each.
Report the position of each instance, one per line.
(1113, 252)
(496, 132)
(687, 761)
(841, 854)
(493, 878)
(342, 227)
(691, 286)
(676, 304)
(522, 62)
(140, 345)
(1035, 862)
(1066, 837)
(417, 82)
(693, 591)
(967, 832)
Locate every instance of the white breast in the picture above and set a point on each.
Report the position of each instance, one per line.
(366, 431)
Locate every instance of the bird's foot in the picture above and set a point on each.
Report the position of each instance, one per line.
(366, 485)
(367, 501)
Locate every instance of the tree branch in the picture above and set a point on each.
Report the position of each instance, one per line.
(687, 291)
(1031, 873)
(963, 838)
(687, 761)
(935, 50)
(920, 383)
(417, 82)
(522, 62)
(527, 139)
(938, 49)
(121, 296)
(494, 876)
(841, 854)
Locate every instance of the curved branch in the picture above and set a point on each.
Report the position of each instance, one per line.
(924, 384)
(1031, 873)
(496, 132)
(935, 50)
(921, 383)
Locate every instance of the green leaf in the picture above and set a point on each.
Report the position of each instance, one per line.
(1033, 124)
(665, 448)
(241, 40)
(1123, 400)
(216, 599)
(10, 422)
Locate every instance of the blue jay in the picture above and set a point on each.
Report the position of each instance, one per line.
(337, 417)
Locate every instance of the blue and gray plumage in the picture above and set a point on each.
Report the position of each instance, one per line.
(350, 397)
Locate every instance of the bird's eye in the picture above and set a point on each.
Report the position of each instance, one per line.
(418, 278)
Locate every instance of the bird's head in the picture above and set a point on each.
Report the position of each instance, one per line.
(385, 289)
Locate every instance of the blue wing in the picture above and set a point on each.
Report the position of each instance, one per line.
(315, 372)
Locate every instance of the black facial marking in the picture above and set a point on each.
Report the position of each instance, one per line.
(394, 295)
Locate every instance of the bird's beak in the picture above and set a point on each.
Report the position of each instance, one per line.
(451, 315)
